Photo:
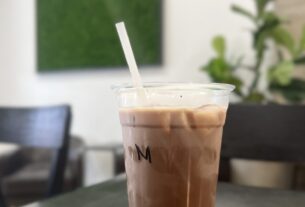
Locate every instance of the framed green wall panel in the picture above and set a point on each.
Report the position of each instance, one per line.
(80, 34)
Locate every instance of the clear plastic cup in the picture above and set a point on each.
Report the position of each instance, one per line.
(172, 138)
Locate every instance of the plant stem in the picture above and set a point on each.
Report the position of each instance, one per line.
(257, 74)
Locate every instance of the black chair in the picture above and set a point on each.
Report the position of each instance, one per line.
(42, 127)
(268, 132)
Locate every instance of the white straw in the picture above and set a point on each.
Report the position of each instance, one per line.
(136, 78)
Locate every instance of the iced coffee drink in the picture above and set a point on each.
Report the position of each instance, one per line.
(172, 146)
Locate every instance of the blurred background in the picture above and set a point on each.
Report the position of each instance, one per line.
(186, 32)
(193, 41)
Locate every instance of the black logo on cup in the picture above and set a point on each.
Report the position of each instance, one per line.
(146, 155)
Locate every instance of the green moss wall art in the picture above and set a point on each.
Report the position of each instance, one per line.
(81, 34)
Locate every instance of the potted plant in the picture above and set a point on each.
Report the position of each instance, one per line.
(283, 86)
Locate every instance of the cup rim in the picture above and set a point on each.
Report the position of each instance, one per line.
(176, 86)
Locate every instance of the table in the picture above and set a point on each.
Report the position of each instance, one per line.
(113, 194)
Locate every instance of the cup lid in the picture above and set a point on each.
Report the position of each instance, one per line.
(219, 88)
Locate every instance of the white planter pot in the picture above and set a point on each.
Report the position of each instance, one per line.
(262, 173)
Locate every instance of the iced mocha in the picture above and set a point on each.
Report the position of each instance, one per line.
(172, 155)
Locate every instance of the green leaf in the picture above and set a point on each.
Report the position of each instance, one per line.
(237, 82)
(301, 48)
(261, 6)
(220, 71)
(303, 39)
(294, 92)
(269, 17)
(219, 45)
(243, 12)
(282, 37)
(254, 97)
(300, 60)
(281, 73)
(269, 22)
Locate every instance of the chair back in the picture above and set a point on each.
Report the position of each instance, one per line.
(40, 127)
(265, 132)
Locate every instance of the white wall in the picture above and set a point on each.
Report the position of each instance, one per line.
(188, 27)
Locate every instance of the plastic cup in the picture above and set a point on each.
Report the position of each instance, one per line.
(172, 142)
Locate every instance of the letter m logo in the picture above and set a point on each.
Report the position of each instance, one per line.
(146, 155)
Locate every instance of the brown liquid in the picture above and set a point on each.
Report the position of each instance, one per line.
(172, 155)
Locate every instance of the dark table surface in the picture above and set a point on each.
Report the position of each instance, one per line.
(113, 194)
